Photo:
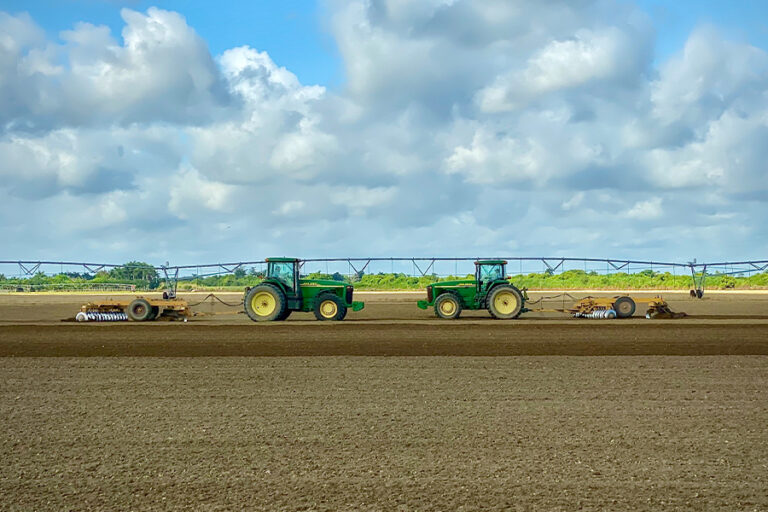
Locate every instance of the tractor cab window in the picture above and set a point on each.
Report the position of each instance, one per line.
(490, 273)
(282, 271)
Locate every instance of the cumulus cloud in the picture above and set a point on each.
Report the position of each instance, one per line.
(645, 210)
(588, 58)
(462, 127)
(162, 71)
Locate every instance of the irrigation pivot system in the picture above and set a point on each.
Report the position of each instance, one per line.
(283, 285)
(412, 266)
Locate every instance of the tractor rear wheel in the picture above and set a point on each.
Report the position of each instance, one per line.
(285, 315)
(329, 306)
(624, 307)
(139, 310)
(505, 302)
(264, 303)
(448, 306)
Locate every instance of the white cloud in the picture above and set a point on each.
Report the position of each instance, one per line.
(489, 121)
(588, 57)
(192, 195)
(162, 71)
(359, 199)
(646, 210)
(573, 202)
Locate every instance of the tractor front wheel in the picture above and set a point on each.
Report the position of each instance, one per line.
(264, 303)
(447, 306)
(329, 307)
(505, 302)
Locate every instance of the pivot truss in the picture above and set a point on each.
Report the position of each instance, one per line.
(412, 266)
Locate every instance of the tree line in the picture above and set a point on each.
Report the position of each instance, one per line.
(145, 277)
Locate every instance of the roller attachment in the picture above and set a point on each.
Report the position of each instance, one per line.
(95, 316)
(603, 314)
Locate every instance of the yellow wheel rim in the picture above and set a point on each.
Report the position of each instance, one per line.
(448, 307)
(263, 304)
(505, 303)
(328, 309)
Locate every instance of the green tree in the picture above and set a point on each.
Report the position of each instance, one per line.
(134, 271)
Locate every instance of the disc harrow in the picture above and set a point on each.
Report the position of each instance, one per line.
(609, 308)
(140, 309)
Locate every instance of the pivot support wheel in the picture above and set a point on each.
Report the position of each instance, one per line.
(447, 306)
(329, 307)
(505, 302)
(264, 303)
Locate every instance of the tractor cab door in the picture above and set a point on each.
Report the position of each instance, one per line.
(287, 272)
(487, 274)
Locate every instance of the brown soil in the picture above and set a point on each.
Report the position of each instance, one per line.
(149, 431)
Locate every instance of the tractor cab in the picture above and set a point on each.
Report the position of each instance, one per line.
(488, 272)
(286, 271)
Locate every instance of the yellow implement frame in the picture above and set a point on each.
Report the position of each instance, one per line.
(621, 306)
(170, 309)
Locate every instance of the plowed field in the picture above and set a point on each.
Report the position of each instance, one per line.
(389, 410)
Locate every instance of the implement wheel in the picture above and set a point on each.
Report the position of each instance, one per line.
(624, 307)
(139, 310)
(329, 306)
(264, 303)
(505, 302)
(447, 306)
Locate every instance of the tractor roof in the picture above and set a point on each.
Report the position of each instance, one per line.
(490, 262)
(283, 260)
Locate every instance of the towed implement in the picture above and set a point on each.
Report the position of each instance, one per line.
(284, 291)
(141, 309)
(490, 290)
(620, 306)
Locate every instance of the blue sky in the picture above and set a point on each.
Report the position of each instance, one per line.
(674, 20)
(295, 32)
(195, 131)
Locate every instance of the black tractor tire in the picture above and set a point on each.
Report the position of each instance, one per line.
(624, 307)
(329, 306)
(447, 306)
(267, 310)
(285, 315)
(504, 302)
(139, 310)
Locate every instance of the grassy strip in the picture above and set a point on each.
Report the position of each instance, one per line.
(569, 280)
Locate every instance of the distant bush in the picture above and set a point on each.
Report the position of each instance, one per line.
(144, 277)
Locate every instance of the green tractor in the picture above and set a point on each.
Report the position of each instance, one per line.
(283, 291)
(489, 290)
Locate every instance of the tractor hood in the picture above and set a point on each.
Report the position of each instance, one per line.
(462, 282)
(321, 282)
